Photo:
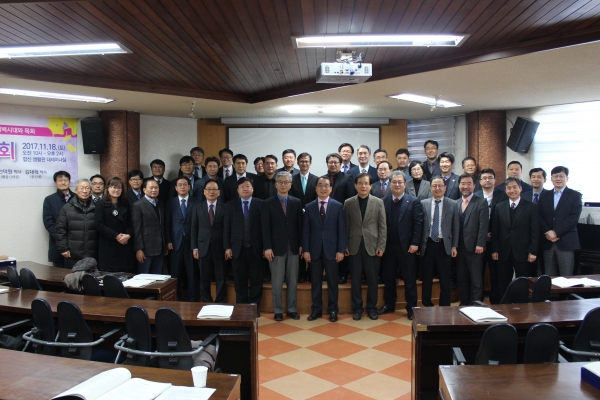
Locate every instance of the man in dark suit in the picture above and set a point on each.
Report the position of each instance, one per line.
(243, 243)
(446, 162)
(288, 157)
(342, 189)
(212, 172)
(178, 228)
(364, 155)
(515, 234)
(469, 166)
(474, 221)
(403, 161)
(381, 188)
(52, 205)
(346, 151)
(148, 230)
(432, 164)
(135, 178)
(559, 213)
(404, 219)
(240, 163)
(493, 196)
(537, 178)
(186, 168)
(324, 245)
(157, 167)
(207, 242)
(264, 186)
(439, 241)
(281, 223)
(515, 169)
(367, 236)
(197, 154)
(226, 170)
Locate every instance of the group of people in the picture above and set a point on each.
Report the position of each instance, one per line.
(280, 224)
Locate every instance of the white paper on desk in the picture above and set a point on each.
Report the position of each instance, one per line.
(482, 314)
(215, 312)
(186, 393)
(136, 388)
(152, 277)
(136, 283)
(4, 290)
(572, 282)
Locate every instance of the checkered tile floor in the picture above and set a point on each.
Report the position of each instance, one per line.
(342, 360)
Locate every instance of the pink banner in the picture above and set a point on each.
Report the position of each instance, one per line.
(32, 131)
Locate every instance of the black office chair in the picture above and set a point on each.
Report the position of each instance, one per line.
(13, 277)
(113, 287)
(138, 336)
(541, 345)
(43, 327)
(541, 289)
(586, 345)
(28, 280)
(90, 284)
(517, 291)
(498, 346)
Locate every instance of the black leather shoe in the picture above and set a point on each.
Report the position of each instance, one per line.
(343, 279)
(314, 315)
(258, 314)
(293, 315)
(409, 316)
(373, 315)
(385, 310)
(278, 317)
(302, 280)
(333, 316)
(357, 316)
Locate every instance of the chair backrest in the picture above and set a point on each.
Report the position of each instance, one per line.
(498, 345)
(113, 287)
(541, 345)
(90, 284)
(517, 291)
(541, 289)
(13, 277)
(588, 331)
(28, 280)
(139, 336)
(171, 336)
(43, 323)
(73, 329)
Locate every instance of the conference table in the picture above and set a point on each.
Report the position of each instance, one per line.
(519, 381)
(238, 353)
(436, 330)
(36, 376)
(52, 279)
(556, 290)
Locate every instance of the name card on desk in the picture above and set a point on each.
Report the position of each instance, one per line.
(215, 312)
(591, 374)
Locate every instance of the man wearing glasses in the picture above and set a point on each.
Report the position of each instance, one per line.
(135, 178)
(281, 222)
(264, 185)
(97, 182)
(52, 205)
(226, 156)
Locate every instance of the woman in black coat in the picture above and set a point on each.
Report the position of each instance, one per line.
(113, 223)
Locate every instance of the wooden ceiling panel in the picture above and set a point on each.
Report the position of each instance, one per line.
(242, 50)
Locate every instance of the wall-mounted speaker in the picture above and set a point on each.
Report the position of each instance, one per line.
(92, 135)
(521, 134)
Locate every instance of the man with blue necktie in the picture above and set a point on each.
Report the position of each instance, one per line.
(346, 151)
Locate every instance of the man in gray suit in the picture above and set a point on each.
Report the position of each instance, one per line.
(381, 188)
(207, 242)
(474, 219)
(439, 241)
(148, 227)
(367, 235)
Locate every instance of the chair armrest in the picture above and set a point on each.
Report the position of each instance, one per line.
(561, 359)
(590, 354)
(109, 334)
(575, 296)
(479, 303)
(14, 325)
(150, 298)
(457, 356)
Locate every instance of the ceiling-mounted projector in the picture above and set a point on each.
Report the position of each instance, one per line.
(344, 72)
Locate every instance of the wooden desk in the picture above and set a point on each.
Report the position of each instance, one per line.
(52, 279)
(35, 376)
(555, 290)
(531, 381)
(437, 329)
(238, 353)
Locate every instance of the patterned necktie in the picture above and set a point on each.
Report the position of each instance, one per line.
(383, 188)
(435, 226)
(512, 206)
(322, 211)
(139, 196)
(465, 204)
(211, 214)
(344, 168)
(68, 196)
(227, 173)
(283, 205)
(197, 171)
(246, 211)
(535, 198)
(364, 171)
(183, 208)
(304, 184)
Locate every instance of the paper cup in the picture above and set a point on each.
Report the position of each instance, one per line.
(199, 376)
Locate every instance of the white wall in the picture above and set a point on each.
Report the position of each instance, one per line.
(23, 235)
(460, 142)
(168, 139)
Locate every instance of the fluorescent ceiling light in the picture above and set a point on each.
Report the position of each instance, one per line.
(57, 96)
(305, 121)
(62, 50)
(429, 100)
(337, 109)
(378, 40)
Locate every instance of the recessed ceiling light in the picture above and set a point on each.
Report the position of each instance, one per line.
(429, 100)
(57, 96)
(378, 40)
(336, 109)
(62, 50)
